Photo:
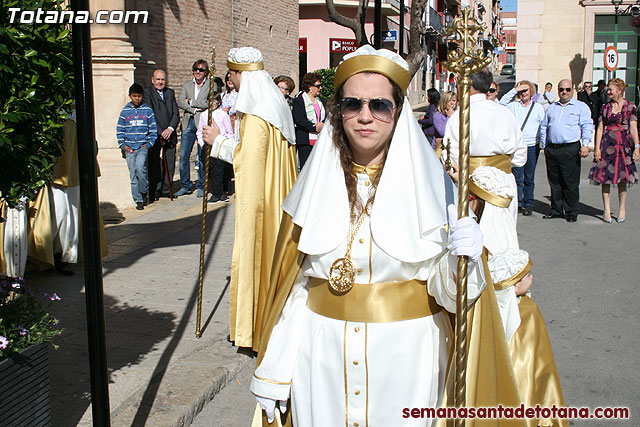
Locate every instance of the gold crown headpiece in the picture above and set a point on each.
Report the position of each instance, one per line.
(245, 66)
(373, 64)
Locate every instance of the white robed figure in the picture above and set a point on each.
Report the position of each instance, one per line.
(363, 277)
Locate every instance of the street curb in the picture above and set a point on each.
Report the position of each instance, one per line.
(184, 388)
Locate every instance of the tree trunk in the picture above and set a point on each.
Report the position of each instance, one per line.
(356, 24)
(417, 29)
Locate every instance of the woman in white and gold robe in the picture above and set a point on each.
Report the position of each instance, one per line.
(361, 356)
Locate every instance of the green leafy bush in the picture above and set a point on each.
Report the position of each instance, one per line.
(36, 92)
(327, 82)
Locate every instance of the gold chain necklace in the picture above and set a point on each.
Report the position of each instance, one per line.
(342, 274)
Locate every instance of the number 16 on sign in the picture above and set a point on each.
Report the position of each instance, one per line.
(611, 59)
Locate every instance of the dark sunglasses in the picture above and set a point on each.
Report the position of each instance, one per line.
(202, 70)
(318, 86)
(493, 90)
(381, 108)
(564, 89)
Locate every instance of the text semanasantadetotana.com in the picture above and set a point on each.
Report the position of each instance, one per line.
(519, 412)
(41, 16)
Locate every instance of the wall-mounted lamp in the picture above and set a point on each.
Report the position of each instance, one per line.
(632, 9)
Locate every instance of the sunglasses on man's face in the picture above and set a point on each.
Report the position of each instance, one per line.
(381, 108)
(202, 70)
(564, 89)
(493, 90)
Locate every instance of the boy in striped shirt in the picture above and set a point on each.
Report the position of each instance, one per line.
(136, 132)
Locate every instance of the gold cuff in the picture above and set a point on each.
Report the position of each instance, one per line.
(250, 66)
(494, 199)
(499, 286)
(374, 64)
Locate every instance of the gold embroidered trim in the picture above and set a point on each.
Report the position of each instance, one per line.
(271, 381)
(250, 66)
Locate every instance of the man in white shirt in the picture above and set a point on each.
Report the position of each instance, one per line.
(529, 115)
(494, 133)
(548, 97)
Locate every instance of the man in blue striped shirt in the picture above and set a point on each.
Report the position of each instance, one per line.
(566, 123)
(136, 132)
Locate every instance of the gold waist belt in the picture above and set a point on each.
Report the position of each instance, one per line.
(500, 161)
(374, 303)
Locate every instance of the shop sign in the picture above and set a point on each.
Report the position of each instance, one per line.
(302, 45)
(390, 36)
(342, 45)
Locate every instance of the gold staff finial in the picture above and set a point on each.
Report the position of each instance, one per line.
(447, 147)
(205, 153)
(465, 60)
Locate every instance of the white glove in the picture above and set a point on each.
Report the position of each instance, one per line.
(269, 406)
(465, 237)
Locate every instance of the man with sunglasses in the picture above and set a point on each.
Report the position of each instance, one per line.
(193, 101)
(565, 135)
(585, 96)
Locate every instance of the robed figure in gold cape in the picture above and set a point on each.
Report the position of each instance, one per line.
(358, 328)
(265, 168)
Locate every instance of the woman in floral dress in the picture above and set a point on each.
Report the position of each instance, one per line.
(617, 148)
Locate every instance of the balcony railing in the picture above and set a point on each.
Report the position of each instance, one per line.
(433, 21)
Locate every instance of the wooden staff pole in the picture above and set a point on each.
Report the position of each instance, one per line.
(203, 229)
(464, 61)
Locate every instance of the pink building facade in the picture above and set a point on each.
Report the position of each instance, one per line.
(323, 43)
(509, 38)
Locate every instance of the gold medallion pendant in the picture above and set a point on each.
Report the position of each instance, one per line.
(342, 275)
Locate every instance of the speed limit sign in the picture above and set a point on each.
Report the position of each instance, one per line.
(611, 58)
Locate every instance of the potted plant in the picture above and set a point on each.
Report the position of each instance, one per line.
(635, 24)
(25, 329)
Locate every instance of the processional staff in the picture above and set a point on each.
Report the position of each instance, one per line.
(464, 61)
(203, 231)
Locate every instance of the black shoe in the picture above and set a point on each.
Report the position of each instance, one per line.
(527, 211)
(61, 266)
(520, 209)
(145, 199)
(572, 218)
(552, 216)
(139, 206)
(213, 199)
(224, 198)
